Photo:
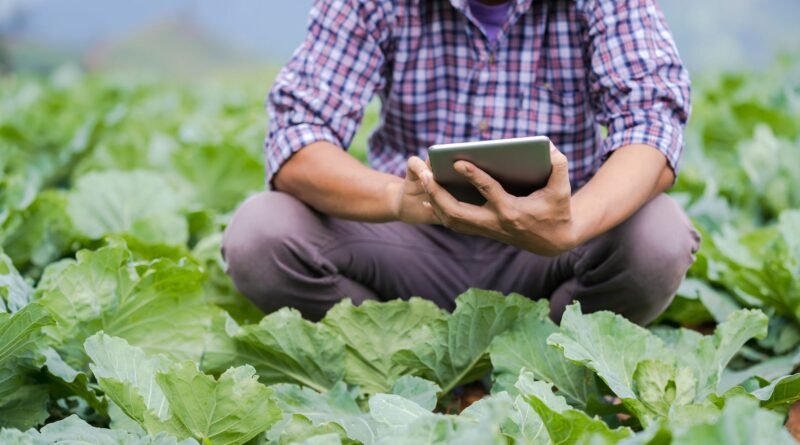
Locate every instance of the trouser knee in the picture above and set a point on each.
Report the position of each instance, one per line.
(636, 268)
(265, 245)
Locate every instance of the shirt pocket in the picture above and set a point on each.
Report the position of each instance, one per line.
(558, 114)
(555, 111)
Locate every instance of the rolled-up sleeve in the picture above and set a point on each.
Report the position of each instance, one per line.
(640, 87)
(321, 93)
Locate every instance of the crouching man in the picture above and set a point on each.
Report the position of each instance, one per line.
(601, 232)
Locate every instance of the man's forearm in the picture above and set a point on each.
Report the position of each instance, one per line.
(633, 175)
(333, 182)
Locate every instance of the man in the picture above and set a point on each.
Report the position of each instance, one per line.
(460, 70)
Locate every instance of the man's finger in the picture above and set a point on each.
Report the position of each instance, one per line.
(486, 185)
(450, 211)
(559, 176)
(415, 168)
(459, 216)
(439, 196)
(467, 227)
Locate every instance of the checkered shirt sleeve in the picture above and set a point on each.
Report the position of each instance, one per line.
(320, 95)
(640, 87)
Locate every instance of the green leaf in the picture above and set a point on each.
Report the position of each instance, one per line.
(401, 421)
(741, 422)
(525, 347)
(657, 433)
(74, 430)
(521, 423)
(283, 348)
(761, 265)
(515, 418)
(335, 407)
(565, 425)
(65, 381)
(21, 332)
(219, 287)
(528, 386)
(660, 386)
(395, 411)
(22, 400)
(708, 356)
(128, 376)
(769, 370)
(231, 410)
(608, 344)
(299, 430)
(420, 391)
(40, 234)
(783, 335)
(179, 399)
(158, 305)
(78, 292)
(718, 303)
(323, 439)
(614, 348)
(686, 311)
(16, 437)
(456, 351)
(118, 420)
(15, 292)
(441, 430)
(208, 169)
(140, 203)
(781, 392)
(374, 331)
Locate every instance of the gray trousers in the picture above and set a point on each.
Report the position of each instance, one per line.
(282, 253)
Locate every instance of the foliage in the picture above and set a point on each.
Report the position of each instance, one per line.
(119, 325)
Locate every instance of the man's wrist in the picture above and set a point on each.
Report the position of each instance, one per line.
(585, 218)
(393, 196)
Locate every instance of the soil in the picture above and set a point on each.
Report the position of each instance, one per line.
(463, 397)
(793, 423)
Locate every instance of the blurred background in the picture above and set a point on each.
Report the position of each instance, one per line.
(198, 38)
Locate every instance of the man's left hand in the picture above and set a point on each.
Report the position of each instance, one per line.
(541, 222)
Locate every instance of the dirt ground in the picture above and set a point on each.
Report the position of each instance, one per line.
(793, 423)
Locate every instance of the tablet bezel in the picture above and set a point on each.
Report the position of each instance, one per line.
(521, 165)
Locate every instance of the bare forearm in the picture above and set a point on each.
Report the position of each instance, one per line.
(633, 175)
(333, 182)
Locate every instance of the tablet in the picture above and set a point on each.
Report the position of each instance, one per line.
(520, 165)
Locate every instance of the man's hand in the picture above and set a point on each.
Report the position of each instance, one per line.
(541, 222)
(410, 200)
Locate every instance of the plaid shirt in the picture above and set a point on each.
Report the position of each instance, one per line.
(561, 68)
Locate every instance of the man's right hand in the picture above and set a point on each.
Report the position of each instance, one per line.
(410, 201)
(333, 182)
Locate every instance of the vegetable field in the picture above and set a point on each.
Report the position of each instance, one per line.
(118, 324)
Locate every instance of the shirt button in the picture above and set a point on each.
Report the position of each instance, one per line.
(483, 125)
(492, 59)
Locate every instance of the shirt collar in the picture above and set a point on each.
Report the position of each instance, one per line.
(520, 5)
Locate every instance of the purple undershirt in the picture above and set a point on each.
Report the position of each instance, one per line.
(491, 17)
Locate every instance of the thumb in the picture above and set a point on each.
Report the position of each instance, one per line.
(559, 176)
(414, 168)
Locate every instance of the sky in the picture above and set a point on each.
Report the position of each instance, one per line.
(711, 35)
(268, 28)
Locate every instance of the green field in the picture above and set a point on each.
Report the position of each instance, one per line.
(118, 324)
